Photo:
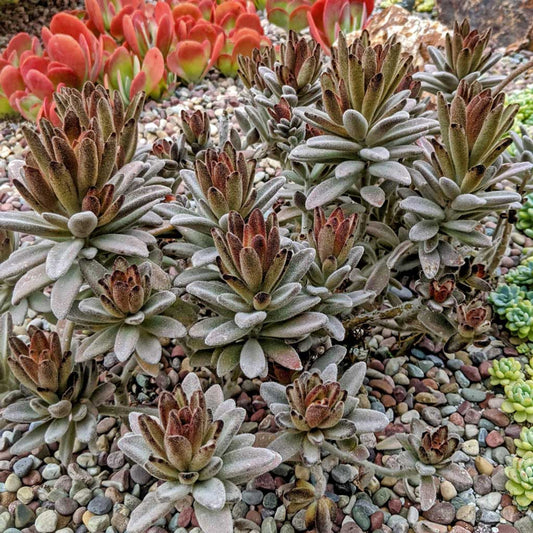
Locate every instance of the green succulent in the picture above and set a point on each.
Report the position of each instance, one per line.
(524, 98)
(466, 57)
(259, 296)
(522, 275)
(520, 320)
(526, 348)
(519, 401)
(520, 480)
(525, 216)
(65, 396)
(196, 448)
(505, 297)
(505, 371)
(127, 316)
(369, 124)
(87, 197)
(521, 152)
(524, 444)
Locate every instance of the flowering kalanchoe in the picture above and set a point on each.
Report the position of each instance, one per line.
(520, 480)
(127, 315)
(260, 300)
(195, 449)
(505, 297)
(505, 371)
(429, 452)
(65, 396)
(317, 408)
(524, 444)
(519, 401)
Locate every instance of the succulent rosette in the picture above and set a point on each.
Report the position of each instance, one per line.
(127, 315)
(505, 371)
(524, 443)
(260, 299)
(429, 452)
(522, 275)
(195, 448)
(65, 395)
(316, 409)
(520, 319)
(505, 297)
(520, 480)
(81, 206)
(519, 401)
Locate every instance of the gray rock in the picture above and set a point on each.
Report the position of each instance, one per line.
(441, 513)
(489, 517)
(298, 521)
(490, 501)
(46, 522)
(66, 506)
(524, 525)
(252, 497)
(51, 471)
(432, 416)
(398, 524)
(343, 473)
(23, 466)
(100, 505)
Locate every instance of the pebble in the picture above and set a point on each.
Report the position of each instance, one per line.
(252, 497)
(447, 490)
(490, 501)
(23, 466)
(344, 473)
(46, 522)
(471, 447)
(66, 506)
(25, 494)
(100, 505)
(441, 513)
(51, 471)
(13, 483)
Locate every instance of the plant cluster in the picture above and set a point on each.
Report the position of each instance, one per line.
(129, 46)
(376, 218)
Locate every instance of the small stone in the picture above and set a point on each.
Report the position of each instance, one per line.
(467, 513)
(361, 518)
(46, 522)
(139, 475)
(66, 506)
(497, 417)
(12, 483)
(25, 495)
(23, 466)
(116, 460)
(471, 447)
(482, 484)
(51, 471)
(23, 515)
(343, 473)
(252, 497)
(441, 513)
(524, 525)
(474, 395)
(432, 416)
(382, 496)
(483, 466)
(98, 523)
(269, 525)
(490, 501)
(100, 505)
(494, 439)
(447, 490)
(298, 521)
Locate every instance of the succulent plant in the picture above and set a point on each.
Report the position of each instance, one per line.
(223, 182)
(261, 301)
(196, 128)
(439, 294)
(8, 383)
(520, 320)
(195, 449)
(522, 275)
(367, 125)
(127, 315)
(276, 85)
(329, 17)
(65, 396)
(525, 216)
(456, 185)
(524, 444)
(79, 209)
(519, 400)
(317, 408)
(336, 257)
(505, 371)
(473, 323)
(288, 14)
(520, 480)
(466, 57)
(429, 451)
(505, 297)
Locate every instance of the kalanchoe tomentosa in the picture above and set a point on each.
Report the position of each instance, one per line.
(65, 399)
(316, 409)
(367, 125)
(429, 452)
(81, 208)
(505, 371)
(196, 449)
(223, 182)
(261, 302)
(127, 316)
(466, 56)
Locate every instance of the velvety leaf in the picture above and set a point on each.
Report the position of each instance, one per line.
(164, 326)
(213, 521)
(210, 493)
(328, 191)
(287, 445)
(245, 464)
(65, 291)
(297, 327)
(252, 359)
(232, 424)
(149, 511)
(120, 244)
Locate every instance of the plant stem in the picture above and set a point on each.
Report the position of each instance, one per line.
(68, 332)
(514, 74)
(377, 469)
(381, 314)
(121, 393)
(156, 232)
(502, 247)
(124, 410)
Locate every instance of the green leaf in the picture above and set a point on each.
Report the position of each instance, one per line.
(298, 327)
(65, 291)
(252, 360)
(61, 257)
(120, 244)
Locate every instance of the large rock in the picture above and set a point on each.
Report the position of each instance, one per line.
(511, 20)
(414, 32)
